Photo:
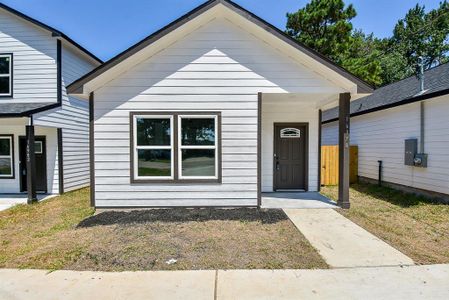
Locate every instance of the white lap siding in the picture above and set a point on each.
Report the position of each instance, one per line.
(381, 135)
(73, 118)
(218, 67)
(34, 59)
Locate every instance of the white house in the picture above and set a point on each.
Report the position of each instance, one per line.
(382, 122)
(211, 110)
(37, 116)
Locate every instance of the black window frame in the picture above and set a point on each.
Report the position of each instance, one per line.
(174, 115)
(11, 75)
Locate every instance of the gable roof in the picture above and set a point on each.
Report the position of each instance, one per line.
(53, 31)
(77, 86)
(436, 83)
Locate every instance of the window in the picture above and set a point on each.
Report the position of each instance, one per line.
(38, 147)
(6, 75)
(197, 146)
(290, 133)
(6, 156)
(153, 147)
(175, 147)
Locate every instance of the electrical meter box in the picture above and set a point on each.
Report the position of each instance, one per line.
(411, 147)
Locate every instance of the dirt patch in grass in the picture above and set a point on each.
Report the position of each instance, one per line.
(63, 233)
(417, 226)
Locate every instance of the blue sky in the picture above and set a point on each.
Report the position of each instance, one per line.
(107, 27)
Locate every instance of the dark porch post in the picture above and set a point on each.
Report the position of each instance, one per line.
(343, 150)
(30, 163)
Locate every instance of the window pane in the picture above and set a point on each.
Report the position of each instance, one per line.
(153, 132)
(198, 131)
(5, 147)
(38, 147)
(154, 162)
(198, 162)
(4, 85)
(4, 65)
(5, 166)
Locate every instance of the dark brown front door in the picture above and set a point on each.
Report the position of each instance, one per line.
(290, 156)
(41, 163)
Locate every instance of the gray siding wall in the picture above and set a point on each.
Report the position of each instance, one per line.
(381, 135)
(218, 67)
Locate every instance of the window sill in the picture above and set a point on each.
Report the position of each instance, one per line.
(175, 181)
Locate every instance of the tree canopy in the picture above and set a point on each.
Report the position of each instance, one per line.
(325, 26)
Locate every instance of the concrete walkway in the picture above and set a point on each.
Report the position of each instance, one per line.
(342, 243)
(298, 200)
(412, 282)
(9, 200)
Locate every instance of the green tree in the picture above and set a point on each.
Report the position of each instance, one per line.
(423, 34)
(325, 26)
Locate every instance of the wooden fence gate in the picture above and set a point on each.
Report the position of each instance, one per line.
(329, 164)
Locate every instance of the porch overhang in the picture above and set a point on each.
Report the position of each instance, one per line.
(17, 110)
(318, 101)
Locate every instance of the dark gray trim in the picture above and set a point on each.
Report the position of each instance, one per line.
(29, 113)
(320, 119)
(92, 149)
(60, 162)
(12, 157)
(54, 32)
(176, 178)
(259, 149)
(395, 104)
(11, 94)
(30, 164)
(306, 165)
(58, 71)
(343, 150)
(77, 86)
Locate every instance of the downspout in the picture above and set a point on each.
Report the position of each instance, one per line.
(422, 118)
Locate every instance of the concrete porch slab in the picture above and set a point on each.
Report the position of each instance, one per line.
(297, 200)
(343, 243)
(9, 200)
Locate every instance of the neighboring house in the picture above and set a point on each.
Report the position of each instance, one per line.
(211, 110)
(381, 122)
(37, 62)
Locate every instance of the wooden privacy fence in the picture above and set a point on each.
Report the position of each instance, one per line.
(329, 164)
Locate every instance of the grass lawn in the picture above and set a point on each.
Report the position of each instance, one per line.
(414, 225)
(63, 233)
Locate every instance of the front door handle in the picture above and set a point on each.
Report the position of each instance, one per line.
(277, 162)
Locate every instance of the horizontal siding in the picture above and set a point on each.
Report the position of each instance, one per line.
(34, 59)
(218, 67)
(381, 135)
(73, 118)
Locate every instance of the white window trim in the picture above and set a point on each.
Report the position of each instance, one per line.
(181, 147)
(42, 149)
(136, 148)
(10, 156)
(9, 75)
